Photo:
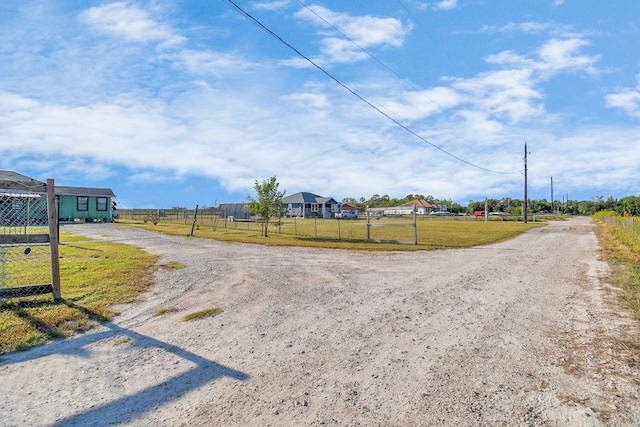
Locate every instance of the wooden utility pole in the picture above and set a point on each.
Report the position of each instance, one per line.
(552, 210)
(524, 204)
(486, 209)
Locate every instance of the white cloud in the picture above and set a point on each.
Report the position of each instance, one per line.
(205, 62)
(628, 100)
(365, 31)
(507, 94)
(271, 5)
(532, 27)
(129, 22)
(316, 101)
(417, 105)
(561, 54)
(445, 5)
(554, 56)
(509, 57)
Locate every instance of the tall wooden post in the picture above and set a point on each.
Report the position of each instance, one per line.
(486, 209)
(525, 206)
(54, 239)
(552, 210)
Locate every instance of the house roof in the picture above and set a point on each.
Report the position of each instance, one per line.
(302, 197)
(306, 197)
(83, 191)
(326, 200)
(10, 180)
(348, 207)
(421, 203)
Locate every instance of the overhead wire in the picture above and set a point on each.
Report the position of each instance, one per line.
(365, 51)
(354, 92)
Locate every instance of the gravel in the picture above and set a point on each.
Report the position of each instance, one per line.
(525, 332)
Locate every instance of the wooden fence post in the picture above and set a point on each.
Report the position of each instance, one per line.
(52, 212)
(195, 218)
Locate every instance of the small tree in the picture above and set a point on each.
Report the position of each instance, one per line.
(269, 202)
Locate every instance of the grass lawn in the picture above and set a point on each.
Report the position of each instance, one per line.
(352, 235)
(94, 276)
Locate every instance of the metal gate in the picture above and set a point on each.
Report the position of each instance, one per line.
(28, 237)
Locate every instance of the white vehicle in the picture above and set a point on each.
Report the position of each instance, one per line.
(347, 215)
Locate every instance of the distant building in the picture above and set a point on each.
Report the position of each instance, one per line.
(421, 207)
(85, 204)
(309, 205)
(236, 211)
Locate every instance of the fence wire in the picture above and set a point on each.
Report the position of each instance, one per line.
(25, 259)
(629, 225)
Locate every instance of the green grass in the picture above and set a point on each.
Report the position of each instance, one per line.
(172, 265)
(95, 276)
(122, 340)
(621, 249)
(352, 235)
(210, 312)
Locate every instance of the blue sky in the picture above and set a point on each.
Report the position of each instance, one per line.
(178, 103)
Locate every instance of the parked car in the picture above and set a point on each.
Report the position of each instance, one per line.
(347, 215)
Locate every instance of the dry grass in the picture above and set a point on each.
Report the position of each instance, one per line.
(165, 310)
(622, 252)
(209, 312)
(352, 235)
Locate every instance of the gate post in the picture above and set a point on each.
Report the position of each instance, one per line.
(52, 212)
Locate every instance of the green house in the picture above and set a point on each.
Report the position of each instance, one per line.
(85, 204)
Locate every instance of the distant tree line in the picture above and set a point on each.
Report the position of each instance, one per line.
(626, 206)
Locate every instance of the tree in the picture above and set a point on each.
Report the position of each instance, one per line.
(629, 205)
(269, 202)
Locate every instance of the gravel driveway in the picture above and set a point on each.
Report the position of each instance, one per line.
(524, 332)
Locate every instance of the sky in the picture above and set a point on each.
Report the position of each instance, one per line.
(185, 102)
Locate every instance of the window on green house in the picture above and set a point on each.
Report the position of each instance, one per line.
(101, 203)
(83, 203)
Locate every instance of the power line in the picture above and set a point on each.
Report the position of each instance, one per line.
(392, 71)
(355, 93)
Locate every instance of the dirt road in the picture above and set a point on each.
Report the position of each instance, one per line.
(525, 332)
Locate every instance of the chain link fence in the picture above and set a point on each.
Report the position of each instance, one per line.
(629, 225)
(25, 257)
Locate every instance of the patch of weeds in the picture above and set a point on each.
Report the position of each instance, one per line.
(165, 310)
(32, 339)
(210, 312)
(172, 265)
(121, 340)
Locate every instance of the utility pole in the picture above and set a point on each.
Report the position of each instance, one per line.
(524, 204)
(552, 210)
